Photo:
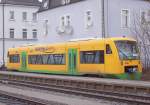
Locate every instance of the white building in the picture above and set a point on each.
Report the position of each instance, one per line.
(18, 23)
(71, 19)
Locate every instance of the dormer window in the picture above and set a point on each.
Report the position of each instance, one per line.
(45, 4)
(65, 2)
(12, 16)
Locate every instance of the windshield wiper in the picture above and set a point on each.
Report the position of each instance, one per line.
(123, 53)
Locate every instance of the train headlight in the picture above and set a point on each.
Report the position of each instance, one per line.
(134, 69)
(131, 69)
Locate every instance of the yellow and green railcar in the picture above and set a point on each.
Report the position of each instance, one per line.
(110, 57)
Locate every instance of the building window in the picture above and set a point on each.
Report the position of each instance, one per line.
(125, 18)
(46, 27)
(88, 19)
(12, 16)
(24, 33)
(67, 20)
(145, 17)
(148, 15)
(24, 16)
(34, 17)
(34, 32)
(62, 21)
(65, 25)
(12, 32)
(65, 2)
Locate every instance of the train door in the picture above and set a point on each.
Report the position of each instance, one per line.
(24, 60)
(72, 61)
(110, 59)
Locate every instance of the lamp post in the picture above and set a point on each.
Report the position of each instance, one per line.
(3, 19)
(103, 19)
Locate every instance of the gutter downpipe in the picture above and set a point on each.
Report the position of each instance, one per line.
(3, 10)
(103, 19)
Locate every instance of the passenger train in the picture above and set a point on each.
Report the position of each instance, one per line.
(110, 57)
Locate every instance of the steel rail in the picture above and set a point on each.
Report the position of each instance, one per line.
(27, 100)
(109, 95)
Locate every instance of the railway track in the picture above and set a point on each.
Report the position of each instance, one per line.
(123, 97)
(123, 93)
(15, 99)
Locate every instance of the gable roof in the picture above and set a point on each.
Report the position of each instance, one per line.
(58, 3)
(21, 2)
(50, 4)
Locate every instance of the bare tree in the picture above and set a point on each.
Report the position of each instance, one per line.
(141, 31)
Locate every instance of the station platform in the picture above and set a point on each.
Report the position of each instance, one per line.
(86, 79)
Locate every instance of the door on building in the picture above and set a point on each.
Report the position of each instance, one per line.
(24, 60)
(72, 60)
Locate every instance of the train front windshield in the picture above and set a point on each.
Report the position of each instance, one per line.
(128, 50)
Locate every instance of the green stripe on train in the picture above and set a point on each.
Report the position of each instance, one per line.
(135, 76)
(129, 76)
(72, 68)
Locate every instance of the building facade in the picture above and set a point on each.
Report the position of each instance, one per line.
(122, 15)
(18, 24)
(70, 19)
(73, 19)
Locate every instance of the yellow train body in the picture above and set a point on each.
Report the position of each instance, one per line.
(96, 56)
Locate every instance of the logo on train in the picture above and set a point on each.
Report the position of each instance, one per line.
(45, 49)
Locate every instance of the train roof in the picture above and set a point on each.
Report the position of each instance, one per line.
(81, 40)
(121, 38)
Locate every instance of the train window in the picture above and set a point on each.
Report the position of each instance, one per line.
(108, 49)
(39, 59)
(29, 60)
(14, 58)
(58, 59)
(92, 57)
(50, 59)
(46, 59)
(32, 59)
